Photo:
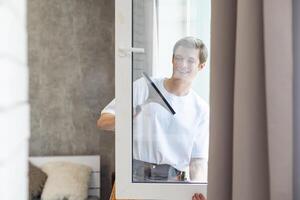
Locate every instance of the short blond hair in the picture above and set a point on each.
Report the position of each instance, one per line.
(195, 43)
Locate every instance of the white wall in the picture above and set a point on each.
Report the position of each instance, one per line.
(14, 108)
(179, 18)
(171, 27)
(200, 26)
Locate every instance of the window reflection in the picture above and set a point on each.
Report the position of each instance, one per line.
(170, 116)
(170, 121)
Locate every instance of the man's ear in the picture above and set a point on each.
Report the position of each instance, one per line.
(201, 66)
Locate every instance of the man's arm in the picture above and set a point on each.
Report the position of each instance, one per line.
(198, 169)
(106, 122)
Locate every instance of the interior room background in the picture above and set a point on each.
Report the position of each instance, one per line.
(63, 70)
(71, 65)
(71, 70)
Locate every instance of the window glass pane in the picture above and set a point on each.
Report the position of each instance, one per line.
(170, 88)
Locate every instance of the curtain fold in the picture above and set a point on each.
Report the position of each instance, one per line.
(296, 103)
(250, 149)
(251, 101)
(223, 25)
(279, 92)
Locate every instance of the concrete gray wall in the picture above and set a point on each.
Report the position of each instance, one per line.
(71, 64)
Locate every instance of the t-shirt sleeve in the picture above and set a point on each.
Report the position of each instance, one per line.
(201, 140)
(110, 108)
(140, 94)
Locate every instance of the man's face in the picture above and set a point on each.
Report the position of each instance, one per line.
(186, 63)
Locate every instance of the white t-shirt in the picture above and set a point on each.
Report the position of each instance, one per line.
(162, 138)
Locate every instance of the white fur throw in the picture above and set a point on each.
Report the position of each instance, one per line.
(66, 180)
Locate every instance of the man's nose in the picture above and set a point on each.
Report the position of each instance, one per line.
(184, 63)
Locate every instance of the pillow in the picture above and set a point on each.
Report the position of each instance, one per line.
(37, 179)
(93, 198)
(66, 180)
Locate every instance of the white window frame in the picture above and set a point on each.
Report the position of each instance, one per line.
(125, 189)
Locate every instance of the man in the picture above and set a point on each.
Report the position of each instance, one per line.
(166, 145)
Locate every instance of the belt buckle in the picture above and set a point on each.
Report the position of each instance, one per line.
(181, 175)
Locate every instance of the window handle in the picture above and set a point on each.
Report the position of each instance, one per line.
(123, 52)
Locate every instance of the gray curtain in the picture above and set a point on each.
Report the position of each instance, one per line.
(296, 44)
(251, 101)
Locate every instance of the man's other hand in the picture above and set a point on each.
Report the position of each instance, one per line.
(198, 196)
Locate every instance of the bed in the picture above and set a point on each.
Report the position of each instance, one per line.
(93, 161)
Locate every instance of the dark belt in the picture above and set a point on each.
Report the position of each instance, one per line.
(160, 171)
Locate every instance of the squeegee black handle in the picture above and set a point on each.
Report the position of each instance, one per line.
(160, 94)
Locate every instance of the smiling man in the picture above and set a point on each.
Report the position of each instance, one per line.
(165, 146)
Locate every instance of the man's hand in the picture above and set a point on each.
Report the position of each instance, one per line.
(137, 110)
(106, 122)
(198, 196)
(198, 170)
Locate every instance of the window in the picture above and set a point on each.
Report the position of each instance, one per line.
(155, 26)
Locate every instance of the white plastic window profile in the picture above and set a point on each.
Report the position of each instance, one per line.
(125, 188)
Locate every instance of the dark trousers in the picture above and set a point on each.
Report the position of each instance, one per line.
(149, 172)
